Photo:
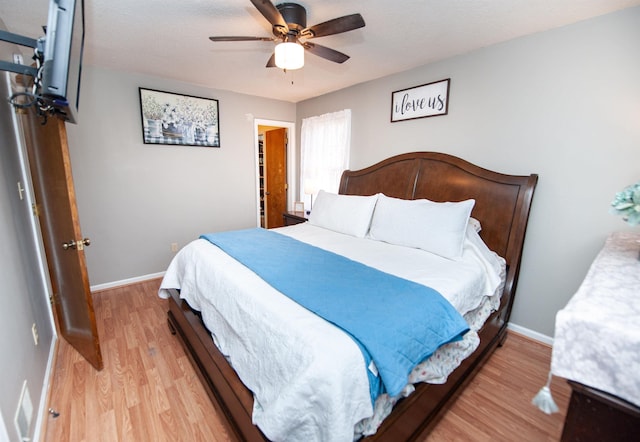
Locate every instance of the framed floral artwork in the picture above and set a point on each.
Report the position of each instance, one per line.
(177, 119)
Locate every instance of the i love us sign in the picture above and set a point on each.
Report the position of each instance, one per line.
(427, 100)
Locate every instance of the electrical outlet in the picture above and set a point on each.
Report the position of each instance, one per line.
(17, 59)
(34, 330)
(174, 246)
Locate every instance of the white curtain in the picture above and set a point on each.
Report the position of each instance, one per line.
(325, 144)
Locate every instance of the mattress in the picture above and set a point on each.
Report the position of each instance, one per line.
(299, 367)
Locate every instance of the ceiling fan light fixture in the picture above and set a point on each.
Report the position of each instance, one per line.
(289, 55)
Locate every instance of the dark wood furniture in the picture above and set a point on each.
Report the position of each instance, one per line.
(502, 206)
(604, 402)
(595, 415)
(291, 218)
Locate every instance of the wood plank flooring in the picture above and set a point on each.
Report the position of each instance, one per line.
(148, 390)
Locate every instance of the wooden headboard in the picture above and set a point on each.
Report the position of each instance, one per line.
(502, 201)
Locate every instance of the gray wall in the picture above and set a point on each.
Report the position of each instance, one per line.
(564, 104)
(136, 199)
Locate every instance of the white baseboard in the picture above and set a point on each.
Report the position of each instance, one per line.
(110, 285)
(530, 333)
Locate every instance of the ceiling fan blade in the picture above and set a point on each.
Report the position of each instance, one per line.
(325, 52)
(271, 13)
(335, 26)
(272, 61)
(230, 38)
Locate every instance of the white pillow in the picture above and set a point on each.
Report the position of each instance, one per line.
(438, 228)
(348, 214)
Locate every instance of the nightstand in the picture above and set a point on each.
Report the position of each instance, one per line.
(291, 218)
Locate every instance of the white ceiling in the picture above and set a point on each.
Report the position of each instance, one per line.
(169, 38)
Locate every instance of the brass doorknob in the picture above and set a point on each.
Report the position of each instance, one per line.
(76, 245)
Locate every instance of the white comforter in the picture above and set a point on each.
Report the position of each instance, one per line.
(307, 376)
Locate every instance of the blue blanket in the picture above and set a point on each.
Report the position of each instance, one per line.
(395, 322)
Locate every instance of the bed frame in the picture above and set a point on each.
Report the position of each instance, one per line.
(502, 206)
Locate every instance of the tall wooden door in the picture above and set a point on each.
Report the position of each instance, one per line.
(63, 241)
(275, 163)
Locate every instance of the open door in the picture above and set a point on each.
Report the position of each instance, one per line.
(64, 244)
(275, 169)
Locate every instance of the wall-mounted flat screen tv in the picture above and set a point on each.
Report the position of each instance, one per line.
(63, 48)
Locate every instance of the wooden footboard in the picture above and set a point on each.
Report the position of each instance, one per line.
(415, 416)
(230, 397)
(411, 419)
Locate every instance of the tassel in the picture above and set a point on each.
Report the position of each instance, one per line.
(544, 400)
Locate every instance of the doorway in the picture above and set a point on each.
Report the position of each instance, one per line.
(275, 170)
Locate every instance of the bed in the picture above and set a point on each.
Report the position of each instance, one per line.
(501, 210)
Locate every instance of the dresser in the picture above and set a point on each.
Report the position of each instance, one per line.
(597, 346)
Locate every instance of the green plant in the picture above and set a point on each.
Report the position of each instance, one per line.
(627, 204)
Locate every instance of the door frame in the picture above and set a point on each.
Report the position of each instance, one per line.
(34, 225)
(34, 248)
(292, 184)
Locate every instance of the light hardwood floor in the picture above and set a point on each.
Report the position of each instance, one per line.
(148, 390)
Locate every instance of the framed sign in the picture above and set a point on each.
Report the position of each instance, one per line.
(427, 100)
(177, 119)
(298, 206)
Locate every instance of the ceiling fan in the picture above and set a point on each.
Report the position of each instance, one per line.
(289, 27)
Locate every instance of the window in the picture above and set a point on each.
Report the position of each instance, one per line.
(325, 143)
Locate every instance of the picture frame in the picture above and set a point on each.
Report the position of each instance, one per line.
(426, 100)
(177, 119)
